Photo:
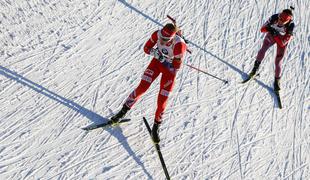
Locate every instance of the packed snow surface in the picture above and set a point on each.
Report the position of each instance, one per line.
(65, 64)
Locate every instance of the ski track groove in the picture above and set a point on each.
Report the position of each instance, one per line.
(202, 109)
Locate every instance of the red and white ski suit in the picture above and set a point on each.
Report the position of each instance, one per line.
(285, 34)
(174, 52)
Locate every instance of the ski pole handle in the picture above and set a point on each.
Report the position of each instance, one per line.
(175, 23)
(172, 19)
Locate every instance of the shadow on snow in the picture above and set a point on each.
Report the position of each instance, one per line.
(94, 117)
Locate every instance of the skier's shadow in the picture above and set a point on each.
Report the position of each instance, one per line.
(190, 42)
(94, 117)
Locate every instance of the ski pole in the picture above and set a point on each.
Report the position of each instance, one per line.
(186, 41)
(225, 81)
(175, 23)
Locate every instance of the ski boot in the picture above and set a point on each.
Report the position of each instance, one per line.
(117, 117)
(255, 68)
(155, 132)
(276, 84)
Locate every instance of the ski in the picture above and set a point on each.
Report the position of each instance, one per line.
(157, 147)
(277, 93)
(249, 78)
(109, 123)
(246, 80)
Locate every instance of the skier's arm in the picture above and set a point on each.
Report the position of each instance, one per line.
(178, 52)
(266, 27)
(150, 43)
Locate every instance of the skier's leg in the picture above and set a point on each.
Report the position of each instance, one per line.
(278, 66)
(166, 87)
(268, 42)
(149, 75)
(278, 61)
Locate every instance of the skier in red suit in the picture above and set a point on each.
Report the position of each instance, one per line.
(168, 50)
(279, 29)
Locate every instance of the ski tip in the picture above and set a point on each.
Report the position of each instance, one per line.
(280, 105)
(171, 18)
(120, 122)
(85, 129)
(125, 120)
(248, 79)
(244, 81)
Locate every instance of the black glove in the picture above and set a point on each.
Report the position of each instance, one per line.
(271, 30)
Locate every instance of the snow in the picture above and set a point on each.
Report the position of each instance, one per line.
(70, 63)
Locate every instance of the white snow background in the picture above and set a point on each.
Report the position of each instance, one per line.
(65, 64)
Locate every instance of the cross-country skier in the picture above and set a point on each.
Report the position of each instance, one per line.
(279, 29)
(168, 50)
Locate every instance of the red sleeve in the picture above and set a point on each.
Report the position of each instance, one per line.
(263, 29)
(283, 40)
(151, 43)
(179, 51)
